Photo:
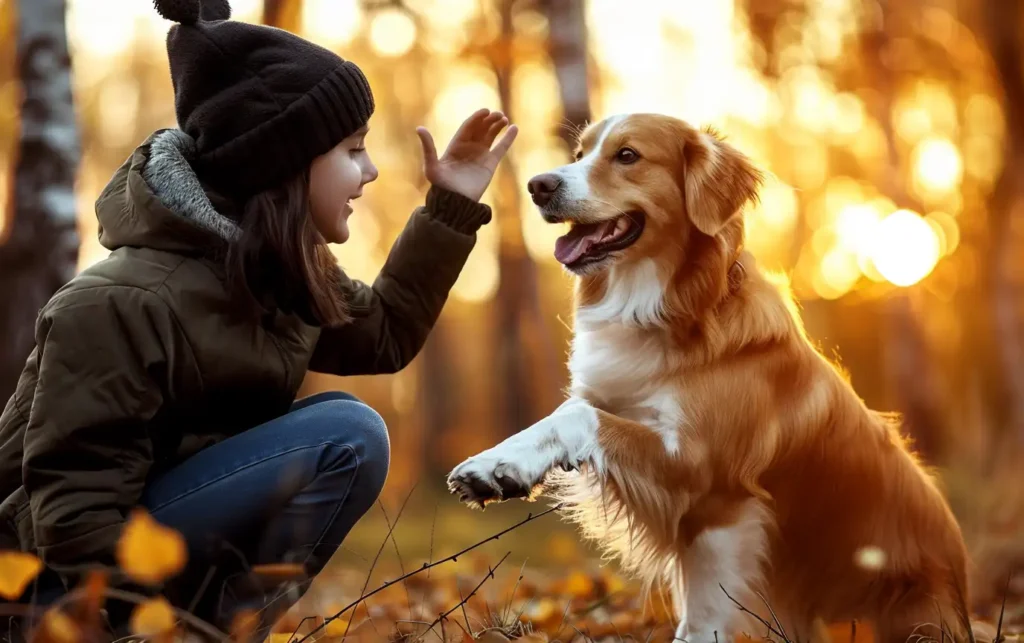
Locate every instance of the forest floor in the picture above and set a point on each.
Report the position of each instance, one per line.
(537, 582)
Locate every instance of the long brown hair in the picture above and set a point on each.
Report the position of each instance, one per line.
(280, 261)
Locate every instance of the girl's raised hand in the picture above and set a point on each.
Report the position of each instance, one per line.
(468, 164)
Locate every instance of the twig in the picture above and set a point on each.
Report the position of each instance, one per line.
(1002, 610)
(463, 604)
(519, 614)
(418, 622)
(453, 558)
(512, 597)
(565, 613)
(401, 565)
(488, 575)
(433, 525)
(202, 588)
(764, 600)
(758, 617)
(369, 574)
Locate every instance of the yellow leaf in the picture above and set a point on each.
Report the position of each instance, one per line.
(579, 585)
(148, 551)
(153, 617)
(337, 627)
(17, 569)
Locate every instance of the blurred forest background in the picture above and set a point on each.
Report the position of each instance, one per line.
(893, 131)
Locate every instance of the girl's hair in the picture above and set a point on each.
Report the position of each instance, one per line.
(280, 261)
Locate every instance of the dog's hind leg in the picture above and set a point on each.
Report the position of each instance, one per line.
(720, 568)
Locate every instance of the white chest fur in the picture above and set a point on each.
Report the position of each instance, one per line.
(620, 361)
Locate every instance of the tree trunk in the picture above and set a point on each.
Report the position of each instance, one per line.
(283, 14)
(525, 359)
(567, 47)
(1005, 205)
(41, 252)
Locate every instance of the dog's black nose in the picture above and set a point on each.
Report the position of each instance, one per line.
(542, 187)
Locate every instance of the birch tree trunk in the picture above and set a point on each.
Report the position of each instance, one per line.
(40, 253)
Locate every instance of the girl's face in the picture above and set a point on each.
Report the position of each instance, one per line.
(335, 179)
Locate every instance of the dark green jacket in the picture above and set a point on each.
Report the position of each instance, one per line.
(142, 359)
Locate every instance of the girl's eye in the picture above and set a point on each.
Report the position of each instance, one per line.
(627, 155)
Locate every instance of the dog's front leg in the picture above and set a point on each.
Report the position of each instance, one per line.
(516, 467)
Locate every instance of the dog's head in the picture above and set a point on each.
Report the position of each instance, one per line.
(643, 186)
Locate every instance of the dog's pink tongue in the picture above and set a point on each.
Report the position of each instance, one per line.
(574, 244)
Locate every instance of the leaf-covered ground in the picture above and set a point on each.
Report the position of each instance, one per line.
(536, 581)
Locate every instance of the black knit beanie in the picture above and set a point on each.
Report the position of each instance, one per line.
(261, 103)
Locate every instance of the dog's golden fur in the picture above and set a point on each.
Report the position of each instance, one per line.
(733, 452)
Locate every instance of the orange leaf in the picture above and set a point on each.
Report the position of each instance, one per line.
(244, 624)
(17, 570)
(57, 627)
(153, 617)
(149, 552)
(281, 572)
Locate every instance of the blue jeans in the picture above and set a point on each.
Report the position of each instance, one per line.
(288, 490)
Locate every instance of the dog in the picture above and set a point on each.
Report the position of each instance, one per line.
(704, 441)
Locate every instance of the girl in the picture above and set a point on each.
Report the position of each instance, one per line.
(165, 376)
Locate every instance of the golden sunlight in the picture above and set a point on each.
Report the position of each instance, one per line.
(906, 248)
(104, 28)
(856, 227)
(937, 166)
(331, 23)
(392, 33)
(478, 282)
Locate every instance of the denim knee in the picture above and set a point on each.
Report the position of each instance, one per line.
(324, 396)
(359, 426)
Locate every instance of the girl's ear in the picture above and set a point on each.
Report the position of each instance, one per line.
(717, 181)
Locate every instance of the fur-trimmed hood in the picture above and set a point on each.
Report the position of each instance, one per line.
(155, 200)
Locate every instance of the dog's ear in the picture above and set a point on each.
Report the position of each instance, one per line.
(718, 180)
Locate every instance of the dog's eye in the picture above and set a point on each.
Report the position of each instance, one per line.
(626, 155)
(579, 155)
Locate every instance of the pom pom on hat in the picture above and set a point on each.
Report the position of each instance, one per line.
(189, 12)
(261, 103)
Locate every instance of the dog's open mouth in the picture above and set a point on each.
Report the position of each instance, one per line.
(587, 243)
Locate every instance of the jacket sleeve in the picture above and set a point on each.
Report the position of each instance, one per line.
(103, 365)
(392, 318)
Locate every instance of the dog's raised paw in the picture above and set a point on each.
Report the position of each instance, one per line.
(485, 479)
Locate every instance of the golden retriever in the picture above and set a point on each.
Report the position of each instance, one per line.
(704, 441)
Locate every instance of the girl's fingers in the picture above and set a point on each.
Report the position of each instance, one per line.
(470, 126)
(492, 131)
(429, 151)
(501, 148)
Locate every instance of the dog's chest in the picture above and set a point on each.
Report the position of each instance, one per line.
(627, 373)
